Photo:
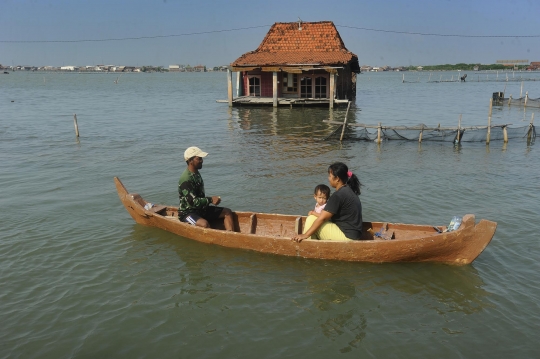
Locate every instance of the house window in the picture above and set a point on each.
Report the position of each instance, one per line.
(290, 83)
(320, 87)
(305, 87)
(254, 86)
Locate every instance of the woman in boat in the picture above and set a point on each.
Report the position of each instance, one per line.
(341, 219)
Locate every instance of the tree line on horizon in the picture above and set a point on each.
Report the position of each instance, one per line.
(469, 67)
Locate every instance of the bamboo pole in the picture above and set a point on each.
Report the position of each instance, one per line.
(505, 135)
(421, 134)
(379, 130)
(489, 121)
(76, 125)
(509, 100)
(526, 98)
(345, 122)
(403, 79)
(521, 91)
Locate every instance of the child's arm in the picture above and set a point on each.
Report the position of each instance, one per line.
(313, 213)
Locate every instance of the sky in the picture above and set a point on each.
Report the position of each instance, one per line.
(203, 31)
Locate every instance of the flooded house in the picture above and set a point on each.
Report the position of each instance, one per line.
(297, 63)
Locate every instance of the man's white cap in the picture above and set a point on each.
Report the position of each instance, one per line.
(194, 151)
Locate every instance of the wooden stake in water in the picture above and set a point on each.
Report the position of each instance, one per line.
(489, 121)
(345, 121)
(526, 98)
(379, 130)
(403, 79)
(76, 125)
(509, 100)
(459, 130)
(505, 134)
(521, 91)
(529, 133)
(421, 133)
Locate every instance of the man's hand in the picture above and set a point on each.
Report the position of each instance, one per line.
(216, 200)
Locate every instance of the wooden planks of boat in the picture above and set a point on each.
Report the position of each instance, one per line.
(271, 233)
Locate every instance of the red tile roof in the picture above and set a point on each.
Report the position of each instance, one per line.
(317, 43)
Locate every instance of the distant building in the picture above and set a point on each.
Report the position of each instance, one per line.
(67, 68)
(534, 66)
(365, 68)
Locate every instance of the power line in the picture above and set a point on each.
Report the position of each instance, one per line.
(134, 38)
(440, 35)
(256, 27)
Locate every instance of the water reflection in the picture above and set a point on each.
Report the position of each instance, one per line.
(347, 300)
(445, 288)
(339, 299)
(305, 122)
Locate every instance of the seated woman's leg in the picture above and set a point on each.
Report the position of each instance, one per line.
(328, 230)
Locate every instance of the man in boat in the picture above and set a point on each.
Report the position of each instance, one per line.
(195, 208)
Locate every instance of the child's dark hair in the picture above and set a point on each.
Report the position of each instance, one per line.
(324, 189)
(340, 170)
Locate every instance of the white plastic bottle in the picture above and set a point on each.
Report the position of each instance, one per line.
(454, 223)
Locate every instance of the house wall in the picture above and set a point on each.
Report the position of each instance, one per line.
(266, 83)
(345, 83)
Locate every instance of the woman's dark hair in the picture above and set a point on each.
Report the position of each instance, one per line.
(340, 170)
(324, 189)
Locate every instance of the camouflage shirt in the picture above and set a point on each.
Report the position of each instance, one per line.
(191, 193)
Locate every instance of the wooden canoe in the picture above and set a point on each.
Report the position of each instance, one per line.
(271, 233)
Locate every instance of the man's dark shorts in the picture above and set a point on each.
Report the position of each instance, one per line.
(211, 213)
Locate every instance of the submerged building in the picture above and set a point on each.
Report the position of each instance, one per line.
(297, 63)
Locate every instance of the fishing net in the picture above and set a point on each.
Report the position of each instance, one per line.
(469, 134)
(522, 102)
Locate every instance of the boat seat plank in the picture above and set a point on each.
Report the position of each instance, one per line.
(159, 209)
(252, 224)
(298, 225)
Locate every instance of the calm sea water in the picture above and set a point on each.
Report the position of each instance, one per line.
(80, 279)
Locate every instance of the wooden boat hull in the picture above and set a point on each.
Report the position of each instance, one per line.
(271, 233)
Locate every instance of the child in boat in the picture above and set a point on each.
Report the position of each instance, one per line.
(321, 195)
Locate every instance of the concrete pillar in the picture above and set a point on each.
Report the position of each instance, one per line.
(274, 88)
(332, 89)
(239, 84)
(229, 87)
